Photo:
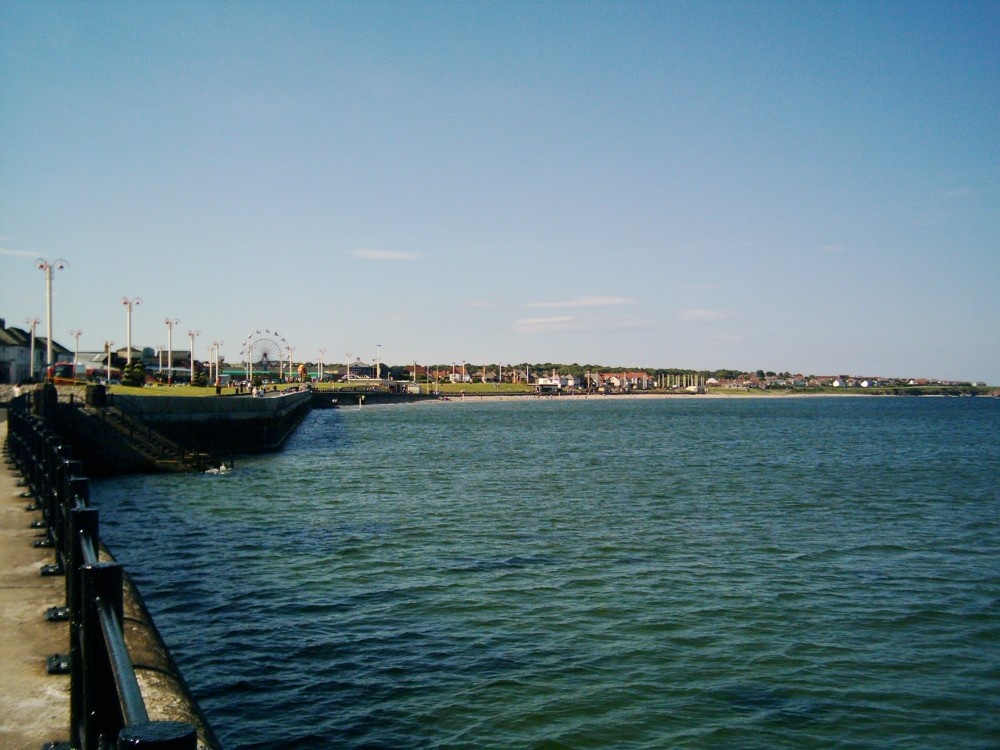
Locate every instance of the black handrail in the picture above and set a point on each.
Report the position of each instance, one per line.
(130, 420)
(106, 705)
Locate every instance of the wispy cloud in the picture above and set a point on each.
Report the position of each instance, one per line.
(395, 255)
(535, 325)
(702, 314)
(580, 323)
(19, 253)
(594, 301)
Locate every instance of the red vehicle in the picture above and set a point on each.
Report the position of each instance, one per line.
(68, 373)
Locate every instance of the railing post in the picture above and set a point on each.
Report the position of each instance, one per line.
(77, 486)
(57, 515)
(47, 480)
(31, 469)
(100, 712)
(84, 525)
(73, 487)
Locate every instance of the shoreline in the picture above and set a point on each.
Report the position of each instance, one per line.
(480, 397)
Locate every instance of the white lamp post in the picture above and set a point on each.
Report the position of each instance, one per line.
(171, 322)
(378, 362)
(108, 346)
(48, 268)
(128, 326)
(32, 323)
(192, 334)
(216, 346)
(347, 371)
(76, 333)
(320, 368)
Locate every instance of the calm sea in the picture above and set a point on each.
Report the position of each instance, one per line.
(687, 573)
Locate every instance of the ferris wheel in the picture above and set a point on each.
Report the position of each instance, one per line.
(262, 352)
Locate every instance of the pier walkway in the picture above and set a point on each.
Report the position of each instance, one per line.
(34, 705)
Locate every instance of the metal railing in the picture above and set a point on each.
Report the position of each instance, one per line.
(107, 709)
(130, 422)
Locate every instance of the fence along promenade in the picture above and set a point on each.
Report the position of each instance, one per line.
(106, 705)
(34, 707)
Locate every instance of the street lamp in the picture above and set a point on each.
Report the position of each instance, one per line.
(76, 333)
(128, 326)
(48, 268)
(108, 346)
(347, 371)
(171, 322)
(192, 334)
(320, 368)
(32, 323)
(378, 362)
(216, 345)
(291, 351)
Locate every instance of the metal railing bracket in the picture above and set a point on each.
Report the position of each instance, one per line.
(57, 664)
(57, 614)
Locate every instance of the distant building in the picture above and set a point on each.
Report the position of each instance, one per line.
(555, 382)
(15, 354)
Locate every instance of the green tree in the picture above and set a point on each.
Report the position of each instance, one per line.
(134, 374)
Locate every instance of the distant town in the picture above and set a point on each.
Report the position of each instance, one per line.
(24, 359)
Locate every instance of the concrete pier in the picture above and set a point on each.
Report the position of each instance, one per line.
(34, 705)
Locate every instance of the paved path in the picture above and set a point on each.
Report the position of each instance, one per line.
(34, 706)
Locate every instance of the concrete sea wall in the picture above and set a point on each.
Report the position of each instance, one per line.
(222, 425)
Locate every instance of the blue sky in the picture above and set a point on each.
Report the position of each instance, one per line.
(812, 187)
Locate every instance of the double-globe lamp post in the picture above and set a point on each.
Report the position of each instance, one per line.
(217, 347)
(48, 267)
(192, 334)
(32, 323)
(171, 322)
(128, 326)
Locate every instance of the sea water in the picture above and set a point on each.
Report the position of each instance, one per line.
(589, 573)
